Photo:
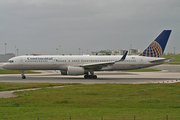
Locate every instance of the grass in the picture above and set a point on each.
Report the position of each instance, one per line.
(3, 71)
(110, 101)
(18, 86)
(175, 61)
(143, 70)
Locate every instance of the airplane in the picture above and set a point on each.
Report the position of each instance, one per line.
(87, 64)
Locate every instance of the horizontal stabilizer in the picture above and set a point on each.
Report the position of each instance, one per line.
(161, 60)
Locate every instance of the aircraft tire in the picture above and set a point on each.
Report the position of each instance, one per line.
(94, 76)
(23, 77)
(86, 76)
(90, 77)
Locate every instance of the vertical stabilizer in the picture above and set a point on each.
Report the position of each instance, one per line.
(157, 47)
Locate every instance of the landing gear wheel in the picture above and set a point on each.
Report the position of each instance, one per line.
(23, 77)
(90, 77)
(94, 77)
(86, 76)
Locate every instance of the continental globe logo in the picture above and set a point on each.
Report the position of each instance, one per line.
(153, 50)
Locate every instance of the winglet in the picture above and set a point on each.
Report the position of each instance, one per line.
(123, 57)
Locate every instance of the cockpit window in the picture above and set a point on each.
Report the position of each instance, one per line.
(10, 61)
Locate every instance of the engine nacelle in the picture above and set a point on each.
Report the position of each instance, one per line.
(76, 71)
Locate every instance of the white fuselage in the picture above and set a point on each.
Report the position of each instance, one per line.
(60, 62)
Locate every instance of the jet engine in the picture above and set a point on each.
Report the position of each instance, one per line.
(75, 71)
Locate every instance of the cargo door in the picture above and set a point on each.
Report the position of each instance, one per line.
(20, 61)
(54, 61)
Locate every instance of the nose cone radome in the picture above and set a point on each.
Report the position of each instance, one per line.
(4, 66)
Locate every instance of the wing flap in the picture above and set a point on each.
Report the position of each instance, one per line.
(100, 65)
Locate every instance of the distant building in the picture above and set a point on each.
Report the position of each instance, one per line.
(117, 52)
(102, 52)
(6, 57)
(123, 51)
(134, 51)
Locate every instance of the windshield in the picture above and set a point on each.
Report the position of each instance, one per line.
(10, 61)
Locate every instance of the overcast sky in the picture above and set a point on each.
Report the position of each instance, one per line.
(41, 26)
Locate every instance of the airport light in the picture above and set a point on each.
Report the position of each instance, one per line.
(5, 47)
(17, 51)
(79, 50)
(57, 50)
(130, 51)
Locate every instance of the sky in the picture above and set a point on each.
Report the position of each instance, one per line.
(43, 26)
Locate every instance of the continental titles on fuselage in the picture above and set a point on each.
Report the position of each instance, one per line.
(39, 58)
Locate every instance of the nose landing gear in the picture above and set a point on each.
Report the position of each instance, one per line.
(23, 76)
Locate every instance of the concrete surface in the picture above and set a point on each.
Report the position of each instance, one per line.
(103, 77)
(9, 94)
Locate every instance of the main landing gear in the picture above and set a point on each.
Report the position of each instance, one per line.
(23, 76)
(92, 76)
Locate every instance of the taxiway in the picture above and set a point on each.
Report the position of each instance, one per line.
(168, 73)
(103, 77)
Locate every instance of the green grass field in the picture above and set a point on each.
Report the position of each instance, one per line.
(176, 59)
(143, 70)
(3, 71)
(110, 101)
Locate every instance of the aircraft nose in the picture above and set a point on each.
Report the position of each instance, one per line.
(4, 66)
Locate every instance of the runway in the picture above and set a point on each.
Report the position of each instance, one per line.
(168, 73)
(103, 77)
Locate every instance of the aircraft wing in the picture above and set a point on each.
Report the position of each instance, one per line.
(161, 60)
(100, 65)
